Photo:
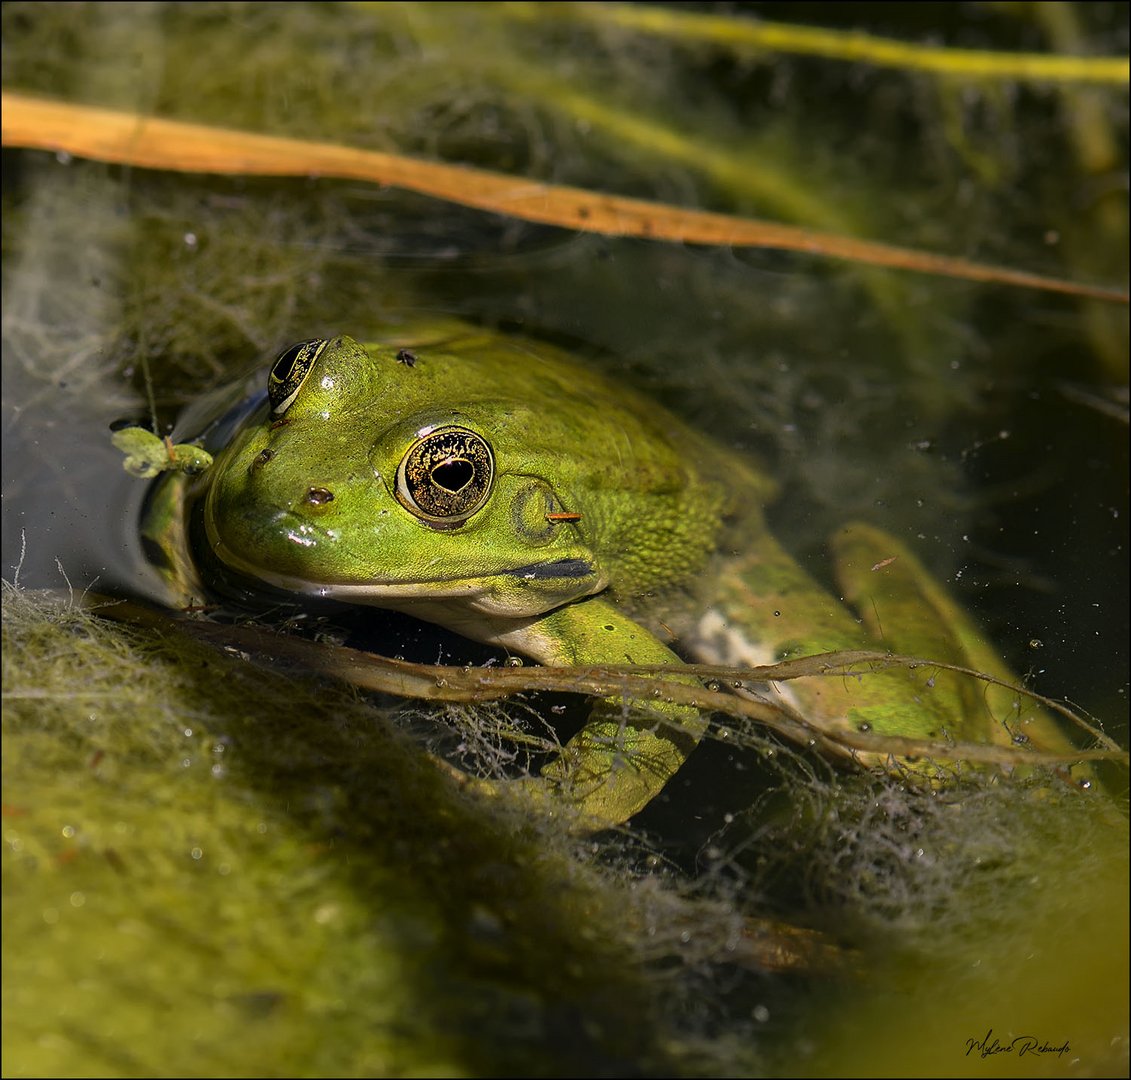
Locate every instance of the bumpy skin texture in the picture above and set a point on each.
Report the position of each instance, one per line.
(500, 489)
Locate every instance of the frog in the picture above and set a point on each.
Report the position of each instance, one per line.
(502, 489)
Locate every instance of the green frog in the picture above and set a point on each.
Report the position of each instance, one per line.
(499, 488)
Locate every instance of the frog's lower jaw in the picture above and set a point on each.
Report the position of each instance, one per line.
(520, 593)
(472, 606)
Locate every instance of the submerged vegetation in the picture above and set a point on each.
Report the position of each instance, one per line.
(216, 869)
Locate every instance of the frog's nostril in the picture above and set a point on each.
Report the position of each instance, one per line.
(318, 496)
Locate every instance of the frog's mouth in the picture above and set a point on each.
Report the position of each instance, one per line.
(511, 592)
(337, 571)
(516, 592)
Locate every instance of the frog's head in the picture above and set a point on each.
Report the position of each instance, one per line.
(376, 476)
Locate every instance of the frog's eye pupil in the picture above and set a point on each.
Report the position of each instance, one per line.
(454, 475)
(446, 476)
(291, 369)
(282, 368)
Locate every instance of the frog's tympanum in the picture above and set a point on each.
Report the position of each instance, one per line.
(508, 493)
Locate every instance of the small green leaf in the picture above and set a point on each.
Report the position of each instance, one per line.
(147, 454)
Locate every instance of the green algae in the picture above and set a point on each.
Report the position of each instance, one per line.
(215, 870)
(210, 870)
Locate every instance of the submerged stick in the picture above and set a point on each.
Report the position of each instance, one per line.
(469, 684)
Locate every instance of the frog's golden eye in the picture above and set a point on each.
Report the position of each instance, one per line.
(446, 476)
(290, 371)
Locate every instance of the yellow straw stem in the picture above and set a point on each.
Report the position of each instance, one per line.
(853, 46)
(150, 142)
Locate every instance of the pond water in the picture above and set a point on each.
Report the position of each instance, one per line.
(981, 425)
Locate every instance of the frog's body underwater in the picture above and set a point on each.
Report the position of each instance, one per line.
(500, 489)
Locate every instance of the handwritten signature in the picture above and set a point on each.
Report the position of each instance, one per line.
(1019, 1045)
